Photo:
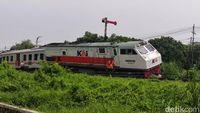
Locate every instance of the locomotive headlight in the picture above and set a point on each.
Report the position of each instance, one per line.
(154, 60)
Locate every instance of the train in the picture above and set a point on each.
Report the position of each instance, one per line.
(133, 56)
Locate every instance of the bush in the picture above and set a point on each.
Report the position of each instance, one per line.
(53, 89)
(52, 69)
(171, 71)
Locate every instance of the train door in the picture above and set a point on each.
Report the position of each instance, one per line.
(116, 56)
(128, 58)
(18, 59)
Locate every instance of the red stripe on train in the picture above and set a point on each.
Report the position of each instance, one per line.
(108, 62)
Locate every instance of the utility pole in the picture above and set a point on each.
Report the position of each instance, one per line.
(192, 45)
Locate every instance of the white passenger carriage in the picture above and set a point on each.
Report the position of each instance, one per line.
(27, 58)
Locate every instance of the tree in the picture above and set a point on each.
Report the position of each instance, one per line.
(116, 38)
(26, 44)
(91, 37)
(171, 50)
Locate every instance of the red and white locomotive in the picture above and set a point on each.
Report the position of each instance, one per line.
(133, 56)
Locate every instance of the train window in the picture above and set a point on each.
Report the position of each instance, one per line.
(78, 53)
(115, 52)
(30, 57)
(7, 58)
(0, 60)
(101, 50)
(35, 56)
(41, 56)
(24, 57)
(64, 52)
(11, 58)
(127, 52)
(50, 58)
(134, 52)
(86, 54)
(149, 47)
(142, 50)
(4, 58)
(122, 51)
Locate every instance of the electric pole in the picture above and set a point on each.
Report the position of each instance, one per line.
(192, 45)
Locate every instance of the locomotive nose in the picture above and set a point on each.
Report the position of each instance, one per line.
(154, 60)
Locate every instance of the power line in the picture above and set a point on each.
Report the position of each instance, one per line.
(172, 32)
(197, 27)
(185, 39)
(167, 33)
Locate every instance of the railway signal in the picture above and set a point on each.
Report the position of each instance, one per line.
(106, 21)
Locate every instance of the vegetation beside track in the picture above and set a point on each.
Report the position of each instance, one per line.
(52, 89)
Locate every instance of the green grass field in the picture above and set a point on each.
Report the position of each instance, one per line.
(53, 89)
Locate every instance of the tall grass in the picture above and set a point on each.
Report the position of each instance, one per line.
(53, 89)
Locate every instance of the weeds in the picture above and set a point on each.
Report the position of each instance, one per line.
(53, 89)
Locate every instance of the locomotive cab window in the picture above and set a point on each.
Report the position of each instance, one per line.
(142, 50)
(149, 47)
(127, 52)
(101, 50)
(122, 51)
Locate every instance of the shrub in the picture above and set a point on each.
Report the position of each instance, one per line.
(170, 71)
(52, 89)
(52, 69)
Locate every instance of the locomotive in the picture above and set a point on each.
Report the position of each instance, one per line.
(133, 56)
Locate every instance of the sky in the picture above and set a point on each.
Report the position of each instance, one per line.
(59, 20)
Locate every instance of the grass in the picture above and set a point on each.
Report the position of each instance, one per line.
(53, 89)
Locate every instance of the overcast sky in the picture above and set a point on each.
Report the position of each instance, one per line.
(59, 20)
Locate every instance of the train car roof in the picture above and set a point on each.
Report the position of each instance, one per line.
(97, 44)
(21, 51)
